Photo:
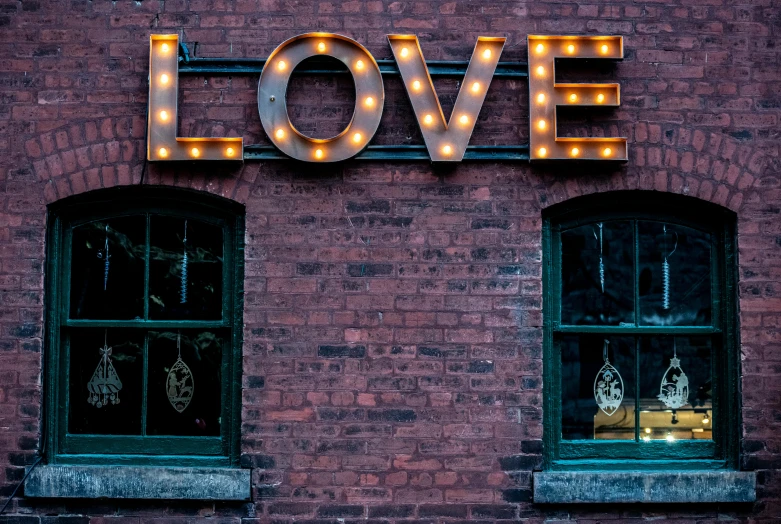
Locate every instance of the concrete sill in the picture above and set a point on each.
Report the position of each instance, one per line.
(581, 487)
(128, 482)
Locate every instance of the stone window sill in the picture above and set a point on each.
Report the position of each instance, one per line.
(129, 482)
(582, 487)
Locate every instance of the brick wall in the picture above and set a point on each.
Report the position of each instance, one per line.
(392, 355)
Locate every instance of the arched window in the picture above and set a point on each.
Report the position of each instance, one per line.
(641, 358)
(144, 328)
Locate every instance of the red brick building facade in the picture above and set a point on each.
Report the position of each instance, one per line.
(392, 365)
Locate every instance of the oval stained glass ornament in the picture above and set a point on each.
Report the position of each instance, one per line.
(180, 385)
(608, 389)
(674, 389)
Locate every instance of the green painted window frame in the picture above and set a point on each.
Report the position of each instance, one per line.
(64, 448)
(720, 453)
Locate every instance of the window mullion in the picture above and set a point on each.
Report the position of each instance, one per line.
(146, 268)
(144, 383)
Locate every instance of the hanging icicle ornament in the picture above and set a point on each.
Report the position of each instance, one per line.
(608, 386)
(674, 390)
(104, 386)
(104, 255)
(598, 237)
(183, 293)
(180, 386)
(666, 270)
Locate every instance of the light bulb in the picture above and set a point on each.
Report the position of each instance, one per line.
(416, 85)
(428, 119)
(164, 48)
(573, 97)
(646, 438)
(542, 125)
(447, 150)
(604, 49)
(540, 70)
(359, 65)
(404, 52)
(541, 98)
(540, 48)
(281, 65)
(164, 115)
(607, 151)
(230, 151)
(476, 87)
(321, 47)
(541, 152)
(600, 98)
(570, 49)
(369, 101)
(280, 134)
(195, 152)
(164, 79)
(575, 151)
(357, 137)
(487, 54)
(464, 119)
(319, 154)
(705, 418)
(647, 430)
(670, 437)
(162, 152)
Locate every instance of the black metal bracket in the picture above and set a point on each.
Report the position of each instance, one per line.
(405, 153)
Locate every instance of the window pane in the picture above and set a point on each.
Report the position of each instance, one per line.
(191, 288)
(584, 378)
(113, 287)
(680, 293)
(105, 386)
(596, 283)
(682, 407)
(184, 396)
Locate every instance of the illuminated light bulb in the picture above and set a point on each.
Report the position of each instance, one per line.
(541, 98)
(540, 48)
(464, 119)
(369, 101)
(280, 134)
(281, 65)
(476, 87)
(670, 437)
(164, 48)
(359, 65)
(487, 54)
(604, 49)
(541, 152)
(540, 70)
(600, 98)
(230, 151)
(575, 151)
(357, 137)
(570, 49)
(542, 125)
(428, 119)
(416, 85)
(195, 152)
(573, 97)
(446, 150)
(607, 151)
(705, 418)
(164, 79)
(319, 154)
(321, 47)
(647, 430)
(163, 115)
(646, 438)
(404, 52)
(162, 152)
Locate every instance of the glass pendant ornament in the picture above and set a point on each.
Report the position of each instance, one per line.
(674, 389)
(608, 386)
(183, 292)
(105, 256)
(104, 386)
(666, 271)
(179, 385)
(598, 237)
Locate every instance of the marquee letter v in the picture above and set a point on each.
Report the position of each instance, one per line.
(446, 141)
